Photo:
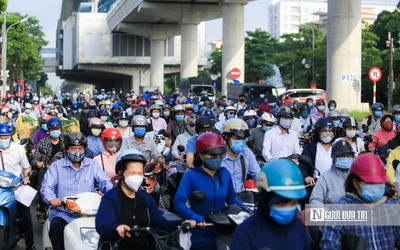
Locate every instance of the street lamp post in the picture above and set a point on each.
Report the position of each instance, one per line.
(313, 47)
(4, 49)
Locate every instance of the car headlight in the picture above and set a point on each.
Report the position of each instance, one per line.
(5, 182)
(90, 237)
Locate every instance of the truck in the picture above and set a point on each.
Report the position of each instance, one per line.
(253, 92)
(198, 86)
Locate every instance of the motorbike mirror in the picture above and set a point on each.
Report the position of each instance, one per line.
(306, 160)
(395, 163)
(149, 168)
(33, 178)
(198, 196)
(181, 148)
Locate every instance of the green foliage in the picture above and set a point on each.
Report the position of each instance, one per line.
(46, 88)
(359, 115)
(216, 62)
(3, 5)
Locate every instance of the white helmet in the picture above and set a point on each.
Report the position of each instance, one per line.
(268, 117)
(236, 127)
(249, 114)
(228, 108)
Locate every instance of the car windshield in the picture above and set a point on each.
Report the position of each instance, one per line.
(256, 92)
(198, 90)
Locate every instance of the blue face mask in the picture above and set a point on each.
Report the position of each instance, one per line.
(310, 104)
(213, 164)
(231, 116)
(44, 127)
(266, 101)
(304, 113)
(238, 146)
(266, 128)
(372, 192)
(55, 133)
(344, 163)
(282, 215)
(251, 123)
(378, 114)
(139, 132)
(5, 143)
(179, 118)
(76, 157)
(397, 118)
(336, 123)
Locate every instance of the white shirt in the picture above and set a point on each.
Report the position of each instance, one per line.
(277, 145)
(14, 159)
(296, 126)
(158, 124)
(323, 159)
(305, 123)
(220, 125)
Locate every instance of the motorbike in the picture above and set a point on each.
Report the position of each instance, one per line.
(81, 233)
(10, 222)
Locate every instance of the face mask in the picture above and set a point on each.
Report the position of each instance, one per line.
(76, 156)
(74, 111)
(221, 108)
(321, 108)
(251, 123)
(112, 150)
(5, 143)
(27, 111)
(202, 133)
(304, 113)
(372, 192)
(60, 115)
(139, 132)
(378, 114)
(179, 118)
(115, 113)
(191, 129)
(351, 133)
(344, 163)
(108, 106)
(123, 123)
(336, 123)
(55, 133)
(213, 164)
(326, 137)
(44, 127)
(285, 123)
(166, 113)
(103, 118)
(266, 101)
(231, 116)
(11, 101)
(310, 104)
(96, 131)
(388, 126)
(241, 100)
(266, 128)
(156, 115)
(331, 108)
(133, 182)
(238, 146)
(282, 215)
(397, 118)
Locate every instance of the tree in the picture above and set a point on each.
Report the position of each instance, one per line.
(216, 61)
(46, 89)
(3, 5)
(24, 43)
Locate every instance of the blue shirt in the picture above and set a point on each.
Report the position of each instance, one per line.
(191, 145)
(235, 168)
(95, 146)
(62, 180)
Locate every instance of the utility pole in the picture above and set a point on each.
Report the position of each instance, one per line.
(391, 72)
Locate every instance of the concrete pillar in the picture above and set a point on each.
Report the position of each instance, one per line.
(233, 38)
(189, 50)
(344, 53)
(157, 63)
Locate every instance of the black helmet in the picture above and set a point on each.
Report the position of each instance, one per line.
(341, 147)
(278, 102)
(75, 139)
(141, 111)
(166, 106)
(202, 122)
(285, 112)
(85, 105)
(92, 113)
(377, 106)
(350, 122)
(323, 123)
(304, 107)
(292, 106)
(123, 115)
(332, 103)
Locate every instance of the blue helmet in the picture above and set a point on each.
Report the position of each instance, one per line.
(377, 106)
(128, 155)
(209, 114)
(323, 123)
(75, 106)
(5, 129)
(53, 123)
(103, 112)
(284, 178)
(116, 106)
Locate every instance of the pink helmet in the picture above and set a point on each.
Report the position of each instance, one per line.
(369, 168)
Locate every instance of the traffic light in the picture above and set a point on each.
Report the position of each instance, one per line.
(387, 43)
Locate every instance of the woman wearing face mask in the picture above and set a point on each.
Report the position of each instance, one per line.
(382, 136)
(275, 224)
(365, 187)
(111, 139)
(95, 147)
(239, 158)
(104, 117)
(127, 205)
(182, 139)
(329, 187)
(208, 173)
(256, 138)
(250, 117)
(177, 126)
(158, 123)
(350, 130)
(123, 125)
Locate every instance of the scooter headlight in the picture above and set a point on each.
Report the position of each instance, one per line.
(90, 237)
(5, 182)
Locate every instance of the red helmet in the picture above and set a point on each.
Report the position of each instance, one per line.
(369, 168)
(111, 133)
(210, 143)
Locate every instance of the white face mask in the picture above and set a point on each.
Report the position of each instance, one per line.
(133, 182)
(321, 108)
(166, 113)
(326, 137)
(351, 133)
(156, 114)
(285, 123)
(60, 115)
(103, 118)
(123, 123)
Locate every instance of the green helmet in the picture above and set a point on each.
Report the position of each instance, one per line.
(283, 178)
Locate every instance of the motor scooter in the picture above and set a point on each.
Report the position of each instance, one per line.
(81, 233)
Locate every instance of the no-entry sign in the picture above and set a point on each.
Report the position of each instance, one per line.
(235, 73)
(375, 74)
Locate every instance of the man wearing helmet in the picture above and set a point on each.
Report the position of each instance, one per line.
(229, 113)
(281, 141)
(256, 138)
(239, 159)
(115, 110)
(371, 123)
(177, 126)
(182, 139)
(70, 176)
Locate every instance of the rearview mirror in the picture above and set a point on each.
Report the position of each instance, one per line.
(181, 148)
(150, 168)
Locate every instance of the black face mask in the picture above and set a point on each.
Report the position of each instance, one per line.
(115, 113)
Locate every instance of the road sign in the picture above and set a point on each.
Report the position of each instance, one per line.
(375, 74)
(235, 73)
(18, 87)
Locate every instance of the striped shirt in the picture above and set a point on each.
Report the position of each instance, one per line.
(62, 180)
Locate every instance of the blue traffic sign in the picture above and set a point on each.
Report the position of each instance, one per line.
(18, 87)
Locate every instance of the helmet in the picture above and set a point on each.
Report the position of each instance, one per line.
(56, 102)
(208, 104)
(383, 118)
(344, 113)
(283, 178)
(190, 119)
(292, 107)
(250, 114)
(5, 129)
(110, 133)
(268, 118)
(93, 113)
(342, 147)
(369, 168)
(202, 122)
(28, 106)
(396, 108)
(44, 119)
(240, 112)
(141, 111)
(75, 106)
(128, 155)
(332, 103)
(123, 115)
(208, 113)
(236, 127)
(116, 106)
(377, 106)
(320, 102)
(155, 107)
(53, 123)
(179, 108)
(85, 105)
(285, 112)
(333, 114)
(166, 106)
(304, 107)
(210, 143)
(228, 103)
(5, 109)
(323, 123)
(75, 139)
(139, 120)
(229, 108)
(350, 122)
(96, 123)
(103, 112)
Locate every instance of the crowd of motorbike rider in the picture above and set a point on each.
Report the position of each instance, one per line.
(224, 143)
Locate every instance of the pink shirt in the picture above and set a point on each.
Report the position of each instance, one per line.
(380, 138)
(109, 162)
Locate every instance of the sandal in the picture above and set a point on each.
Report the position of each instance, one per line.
(41, 218)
